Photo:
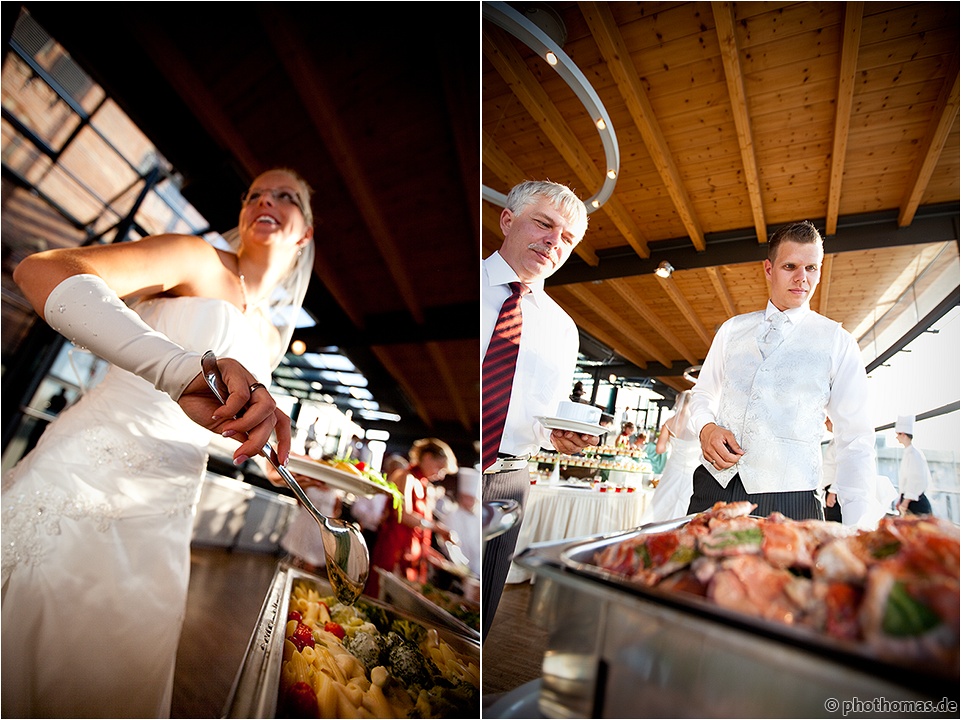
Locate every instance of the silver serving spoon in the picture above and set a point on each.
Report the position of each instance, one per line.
(348, 560)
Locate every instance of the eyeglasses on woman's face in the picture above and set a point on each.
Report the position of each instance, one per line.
(280, 196)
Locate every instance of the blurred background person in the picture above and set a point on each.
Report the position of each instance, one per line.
(464, 519)
(303, 540)
(53, 406)
(311, 440)
(369, 512)
(679, 444)
(914, 477)
(832, 508)
(402, 542)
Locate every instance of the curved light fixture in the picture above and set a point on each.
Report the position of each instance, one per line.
(664, 270)
(501, 14)
(691, 374)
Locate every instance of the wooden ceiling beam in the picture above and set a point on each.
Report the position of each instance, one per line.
(864, 231)
(824, 287)
(616, 344)
(490, 216)
(723, 293)
(313, 91)
(464, 112)
(679, 383)
(530, 93)
(613, 49)
(943, 116)
(644, 310)
(202, 103)
(850, 42)
(724, 23)
(590, 299)
(507, 171)
(383, 355)
(451, 386)
(677, 297)
(182, 77)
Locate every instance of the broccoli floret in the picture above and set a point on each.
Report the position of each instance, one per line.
(378, 616)
(411, 632)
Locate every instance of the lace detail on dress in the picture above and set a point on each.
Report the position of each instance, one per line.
(126, 454)
(27, 518)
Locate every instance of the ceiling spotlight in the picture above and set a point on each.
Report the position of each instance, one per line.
(664, 270)
(298, 347)
(551, 58)
(612, 378)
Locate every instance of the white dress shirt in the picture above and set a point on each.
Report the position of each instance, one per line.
(914, 475)
(546, 360)
(778, 405)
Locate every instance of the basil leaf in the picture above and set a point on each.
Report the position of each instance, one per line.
(904, 615)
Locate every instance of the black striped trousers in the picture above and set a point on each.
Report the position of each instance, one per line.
(797, 505)
(499, 551)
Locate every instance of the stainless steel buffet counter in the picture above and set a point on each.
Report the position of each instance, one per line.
(235, 514)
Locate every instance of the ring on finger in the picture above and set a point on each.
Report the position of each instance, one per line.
(257, 386)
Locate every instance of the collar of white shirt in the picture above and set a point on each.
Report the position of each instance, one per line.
(793, 315)
(500, 273)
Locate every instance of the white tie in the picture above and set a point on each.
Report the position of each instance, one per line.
(773, 335)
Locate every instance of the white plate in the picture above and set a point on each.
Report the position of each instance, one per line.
(555, 423)
(339, 479)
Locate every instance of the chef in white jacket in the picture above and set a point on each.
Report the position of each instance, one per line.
(465, 520)
(914, 477)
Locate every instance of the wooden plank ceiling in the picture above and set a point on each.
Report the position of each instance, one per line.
(732, 119)
(383, 122)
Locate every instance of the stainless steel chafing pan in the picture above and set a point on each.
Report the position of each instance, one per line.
(616, 649)
(256, 686)
(399, 594)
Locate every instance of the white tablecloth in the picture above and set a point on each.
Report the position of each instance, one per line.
(557, 513)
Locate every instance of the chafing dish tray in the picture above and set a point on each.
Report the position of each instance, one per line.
(616, 649)
(257, 683)
(402, 595)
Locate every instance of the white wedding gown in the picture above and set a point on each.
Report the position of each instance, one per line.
(96, 526)
(673, 492)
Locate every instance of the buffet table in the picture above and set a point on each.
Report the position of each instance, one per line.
(555, 512)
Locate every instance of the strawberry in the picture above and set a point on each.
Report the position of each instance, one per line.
(361, 466)
(300, 701)
(302, 636)
(334, 629)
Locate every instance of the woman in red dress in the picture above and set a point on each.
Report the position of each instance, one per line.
(402, 542)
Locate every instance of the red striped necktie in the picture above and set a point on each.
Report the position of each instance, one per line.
(498, 372)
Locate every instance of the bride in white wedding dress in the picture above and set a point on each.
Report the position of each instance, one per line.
(97, 520)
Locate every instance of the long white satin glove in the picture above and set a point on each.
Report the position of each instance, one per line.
(87, 312)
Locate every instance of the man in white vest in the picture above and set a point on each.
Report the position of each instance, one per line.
(764, 389)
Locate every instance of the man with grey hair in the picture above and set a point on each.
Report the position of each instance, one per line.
(542, 223)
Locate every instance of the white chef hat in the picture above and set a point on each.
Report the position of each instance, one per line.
(905, 424)
(468, 482)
